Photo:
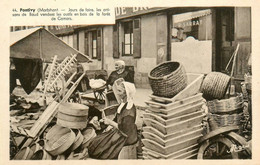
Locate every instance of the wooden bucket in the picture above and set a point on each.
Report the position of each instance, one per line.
(60, 143)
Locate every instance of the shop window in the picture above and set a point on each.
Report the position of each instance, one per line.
(128, 38)
(192, 24)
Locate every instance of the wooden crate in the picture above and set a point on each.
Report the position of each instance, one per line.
(174, 119)
(184, 107)
(183, 153)
(174, 140)
(170, 149)
(174, 127)
(167, 137)
(168, 106)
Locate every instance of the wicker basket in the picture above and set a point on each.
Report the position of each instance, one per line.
(227, 120)
(215, 85)
(167, 79)
(226, 105)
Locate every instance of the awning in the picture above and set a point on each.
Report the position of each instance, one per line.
(39, 43)
(190, 15)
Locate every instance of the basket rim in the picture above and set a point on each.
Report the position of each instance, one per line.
(163, 77)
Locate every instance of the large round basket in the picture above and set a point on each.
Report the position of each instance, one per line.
(59, 143)
(215, 85)
(226, 105)
(227, 120)
(167, 79)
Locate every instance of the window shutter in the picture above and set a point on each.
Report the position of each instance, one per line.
(137, 38)
(86, 44)
(99, 44)
(115, 41)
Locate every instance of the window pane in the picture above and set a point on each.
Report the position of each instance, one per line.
(94, 53)
(132, 49)
(127, 38)
(94, 44)
(132, 39)
(127, 49)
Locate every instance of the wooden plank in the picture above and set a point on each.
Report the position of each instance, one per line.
(172, 120)
(157, 105)
(47, 114)
(172, 135)
(174, 127)
(192, 89)
(170, 149)
(174, 140)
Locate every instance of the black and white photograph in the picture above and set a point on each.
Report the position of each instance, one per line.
(167, 83)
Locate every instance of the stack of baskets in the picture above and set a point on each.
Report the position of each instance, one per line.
(173, 128)
(73, 115)
(59, 143)
(167, 79)
(227, 112)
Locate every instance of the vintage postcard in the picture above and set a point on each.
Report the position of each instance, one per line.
(146, 81)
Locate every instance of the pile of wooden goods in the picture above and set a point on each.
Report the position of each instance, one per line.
(67, 139)
(173, 123)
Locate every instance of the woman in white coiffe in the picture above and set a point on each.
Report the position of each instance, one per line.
(123, 127)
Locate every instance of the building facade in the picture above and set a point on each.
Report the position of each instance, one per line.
(202, 39)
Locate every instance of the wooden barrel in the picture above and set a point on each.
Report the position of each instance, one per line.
(24, 154)
(60, 143)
